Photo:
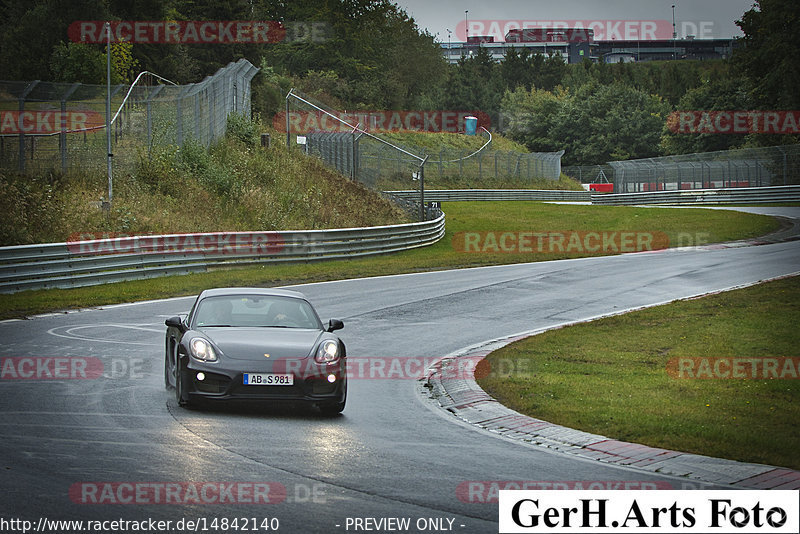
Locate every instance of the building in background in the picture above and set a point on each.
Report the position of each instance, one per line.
(576, 44)
(665, 50)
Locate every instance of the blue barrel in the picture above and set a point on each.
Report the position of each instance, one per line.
(471, 125)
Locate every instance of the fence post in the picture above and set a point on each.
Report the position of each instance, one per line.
(422, 188)
(197, 115)
(149, 120)
(62, 136)
(22, 97)
(288, 135)
(179, 118)
(785, 165)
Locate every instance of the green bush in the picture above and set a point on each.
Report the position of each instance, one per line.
(243, 129)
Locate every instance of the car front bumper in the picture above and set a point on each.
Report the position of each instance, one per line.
(226, 382)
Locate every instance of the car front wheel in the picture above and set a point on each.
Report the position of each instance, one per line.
(332, 409)
(181, 396)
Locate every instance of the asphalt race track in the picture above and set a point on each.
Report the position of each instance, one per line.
(390, 455)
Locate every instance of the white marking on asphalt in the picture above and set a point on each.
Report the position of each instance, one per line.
(71, 332)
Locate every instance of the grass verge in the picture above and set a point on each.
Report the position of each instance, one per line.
(719, 225)
(235, 185)
(592, 378)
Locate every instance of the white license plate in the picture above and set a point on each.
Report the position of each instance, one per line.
(268, 379)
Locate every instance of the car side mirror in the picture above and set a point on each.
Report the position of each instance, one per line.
(335, 324)
(175, 322)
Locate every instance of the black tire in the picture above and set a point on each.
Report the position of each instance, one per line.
(181, 397)
(332, 409)
(167, 371)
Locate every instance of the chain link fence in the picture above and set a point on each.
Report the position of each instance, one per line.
(380, 164)
(473, 166)
(61, 126)
(589, 174)
(746, 167)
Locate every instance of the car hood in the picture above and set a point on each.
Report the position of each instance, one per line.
(253, 343)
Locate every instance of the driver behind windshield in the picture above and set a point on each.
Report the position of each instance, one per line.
(283, 313)
(216, 312)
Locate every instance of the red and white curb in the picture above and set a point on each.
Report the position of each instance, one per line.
(465, 399)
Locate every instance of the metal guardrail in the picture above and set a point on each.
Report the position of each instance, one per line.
(98, 261)
(739, 195)
(456, 195)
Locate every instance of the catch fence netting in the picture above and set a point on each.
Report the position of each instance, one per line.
(743, 167)
(348, 142)
(48, 126)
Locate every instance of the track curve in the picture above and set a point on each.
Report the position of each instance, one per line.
(386, 456)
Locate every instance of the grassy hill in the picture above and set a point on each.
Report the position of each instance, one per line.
(236, 185)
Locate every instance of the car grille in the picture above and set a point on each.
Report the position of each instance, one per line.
(213, 383)
(240, 390)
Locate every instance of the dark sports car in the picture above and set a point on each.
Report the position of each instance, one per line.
(258, 345)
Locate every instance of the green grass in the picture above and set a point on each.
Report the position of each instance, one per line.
(236, 185)
(610, 376)
(461, 217)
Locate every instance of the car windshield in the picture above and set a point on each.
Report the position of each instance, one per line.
(255, 311)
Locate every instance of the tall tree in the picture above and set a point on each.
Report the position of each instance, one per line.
(770, 57)
(723, 94)
(372, 44)
(593, 124)
(29, 32)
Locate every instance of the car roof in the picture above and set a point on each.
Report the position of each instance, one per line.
(261, 291)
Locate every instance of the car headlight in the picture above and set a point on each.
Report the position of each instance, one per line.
(202, 350)
(328, 352)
